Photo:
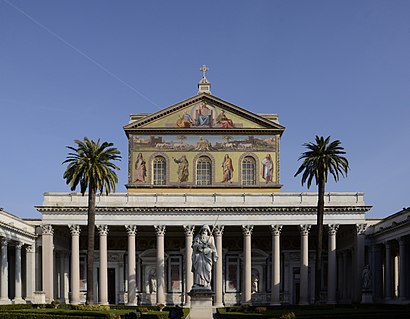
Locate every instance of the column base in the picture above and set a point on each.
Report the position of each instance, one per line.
(219, 305)
(18, 301)
(5, 301)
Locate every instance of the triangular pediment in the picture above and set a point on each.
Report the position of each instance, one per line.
(204, 112)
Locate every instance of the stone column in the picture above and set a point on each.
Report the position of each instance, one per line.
(48, 261)
(388, 272)
(103, 284)
(358, 263)
(402, 269)
(304, 264)
(4, 289)
(247, 260)
(30, 272)
(75, 264)
(189, 232)
(132, 271)
(218, 231)
(160, 230)
(18, 277)
(332, 267)
(276, 229)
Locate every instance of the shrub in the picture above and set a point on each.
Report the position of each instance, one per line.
(288, 315)
(91, 307)
(260, 310)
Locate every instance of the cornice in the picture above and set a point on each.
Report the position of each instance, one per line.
(17, 230)
(205, 210)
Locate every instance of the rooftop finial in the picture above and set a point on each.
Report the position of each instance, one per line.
(204, 86)
(204, 69)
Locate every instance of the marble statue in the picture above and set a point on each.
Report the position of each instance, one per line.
(203, 256)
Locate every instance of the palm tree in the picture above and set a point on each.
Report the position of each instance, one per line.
(90, 166)
(322, 157)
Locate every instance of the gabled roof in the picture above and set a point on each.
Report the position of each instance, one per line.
(149, 121)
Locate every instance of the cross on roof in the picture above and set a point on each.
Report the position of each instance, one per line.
(204, 69)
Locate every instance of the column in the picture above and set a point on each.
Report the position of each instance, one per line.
(218, 231)
(48, 261)
(402, 269)
(358, 263)
(388, 272)
(276, 229)
(103, 284)
(304, 264)
(247, 260)
(18, 277)
(75, 264)
(30, 272)
(332, 267)
(4, 289)
(189, 232)
(160, 230)
(132, 270)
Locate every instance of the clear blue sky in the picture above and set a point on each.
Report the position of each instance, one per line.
(70, 69)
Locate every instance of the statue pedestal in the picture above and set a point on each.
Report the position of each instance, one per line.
(201, 303)
(367, 296)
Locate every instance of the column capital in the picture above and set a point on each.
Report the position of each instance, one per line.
(361, 229)
(247, 230)
(75, 230)
(18, 245)
(4, 242)
(304, 229)
(276, 229)
(160, 230)
(30, 249)
(332, 229)
(218, 230)
(102, 230)
(47, 229)
(189, 230)
(131, 230)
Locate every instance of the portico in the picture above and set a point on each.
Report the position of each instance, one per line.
(274, 228)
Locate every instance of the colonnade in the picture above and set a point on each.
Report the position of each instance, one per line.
(390, 263)
(160, 230)
(18, 280)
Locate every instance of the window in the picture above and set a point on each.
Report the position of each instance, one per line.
(159, 171)
(248, 171)
(175, 274)
(204, 171)
(233, 273)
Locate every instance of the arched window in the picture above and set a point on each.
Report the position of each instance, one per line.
(159, 171)
(248, 171)
(203, 171)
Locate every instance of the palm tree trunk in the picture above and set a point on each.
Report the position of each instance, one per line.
(90, 248)
(319, 240)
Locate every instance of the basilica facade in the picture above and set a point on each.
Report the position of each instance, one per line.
(203, 161)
